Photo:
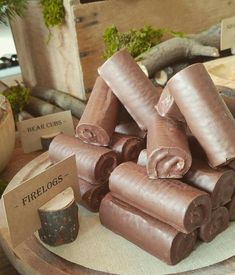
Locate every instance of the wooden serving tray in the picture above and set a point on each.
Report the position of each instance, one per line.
(31, 257)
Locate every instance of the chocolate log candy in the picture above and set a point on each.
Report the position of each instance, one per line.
(232, 165)
(231, 208)
(166, 106)
(205, 112)
(196, 149)
(155, 237)
(128, 82)
(126, 147)
(94, 163)
(91, 195)
(218, 223)
(59, 219)
(143, 158)
(99, 118)
(171, 201)
(131, 129)
(219, 184)
(168, 150)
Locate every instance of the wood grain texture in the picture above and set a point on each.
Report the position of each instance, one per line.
(178, 15)
(5, 266)
(32, 258)
(48, 60)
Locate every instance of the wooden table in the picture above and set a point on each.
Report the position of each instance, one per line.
(31, 257)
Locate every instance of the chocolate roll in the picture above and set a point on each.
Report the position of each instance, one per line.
(206, 114)
(92, 195)
(153, 236)
(168, 150)
(218, 223)
(231, 208)
(143, 158)
(219, 184)
(166, 107)
(130, 129)
(126, 147)
(170, 201)
(196, 149)
(232, 165)
(99, 118)
(132, 87)
(94, 163)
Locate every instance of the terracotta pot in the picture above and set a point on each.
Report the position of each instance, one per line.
(7, 133)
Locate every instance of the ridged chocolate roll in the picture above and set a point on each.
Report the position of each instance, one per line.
(99, 118)
(131, 129)
(166, 106)
(196, 149)
(128, 82)
(143, 158)
(94, 163)
(231, 208)
(232, 165)
(218, 223)
(219, 184)
(126, 147)
(171, 201)
(168, 150)
(206, 114)
(155, 237)
(92, 195)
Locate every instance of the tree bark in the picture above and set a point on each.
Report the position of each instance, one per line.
(60, 99)
(38, 107)
(59, 219)
(205, 43)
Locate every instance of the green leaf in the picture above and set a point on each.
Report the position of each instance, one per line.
(53, 12)
(135, 41)
(18, 96)
(11, 8)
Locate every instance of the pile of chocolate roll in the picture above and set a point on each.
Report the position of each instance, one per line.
(181, 188)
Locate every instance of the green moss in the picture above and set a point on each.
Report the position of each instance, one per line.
(10, 8)
(53, 12)
(18, 97)
(136, 41)
(3, 186)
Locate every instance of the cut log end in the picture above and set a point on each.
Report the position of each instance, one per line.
(143, 68)
(59, 219)
(161, 77)
(47, 139)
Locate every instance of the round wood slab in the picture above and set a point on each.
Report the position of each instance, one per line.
(31, 257)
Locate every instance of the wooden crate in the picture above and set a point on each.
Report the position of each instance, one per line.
(70, 60)
(179, 15)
